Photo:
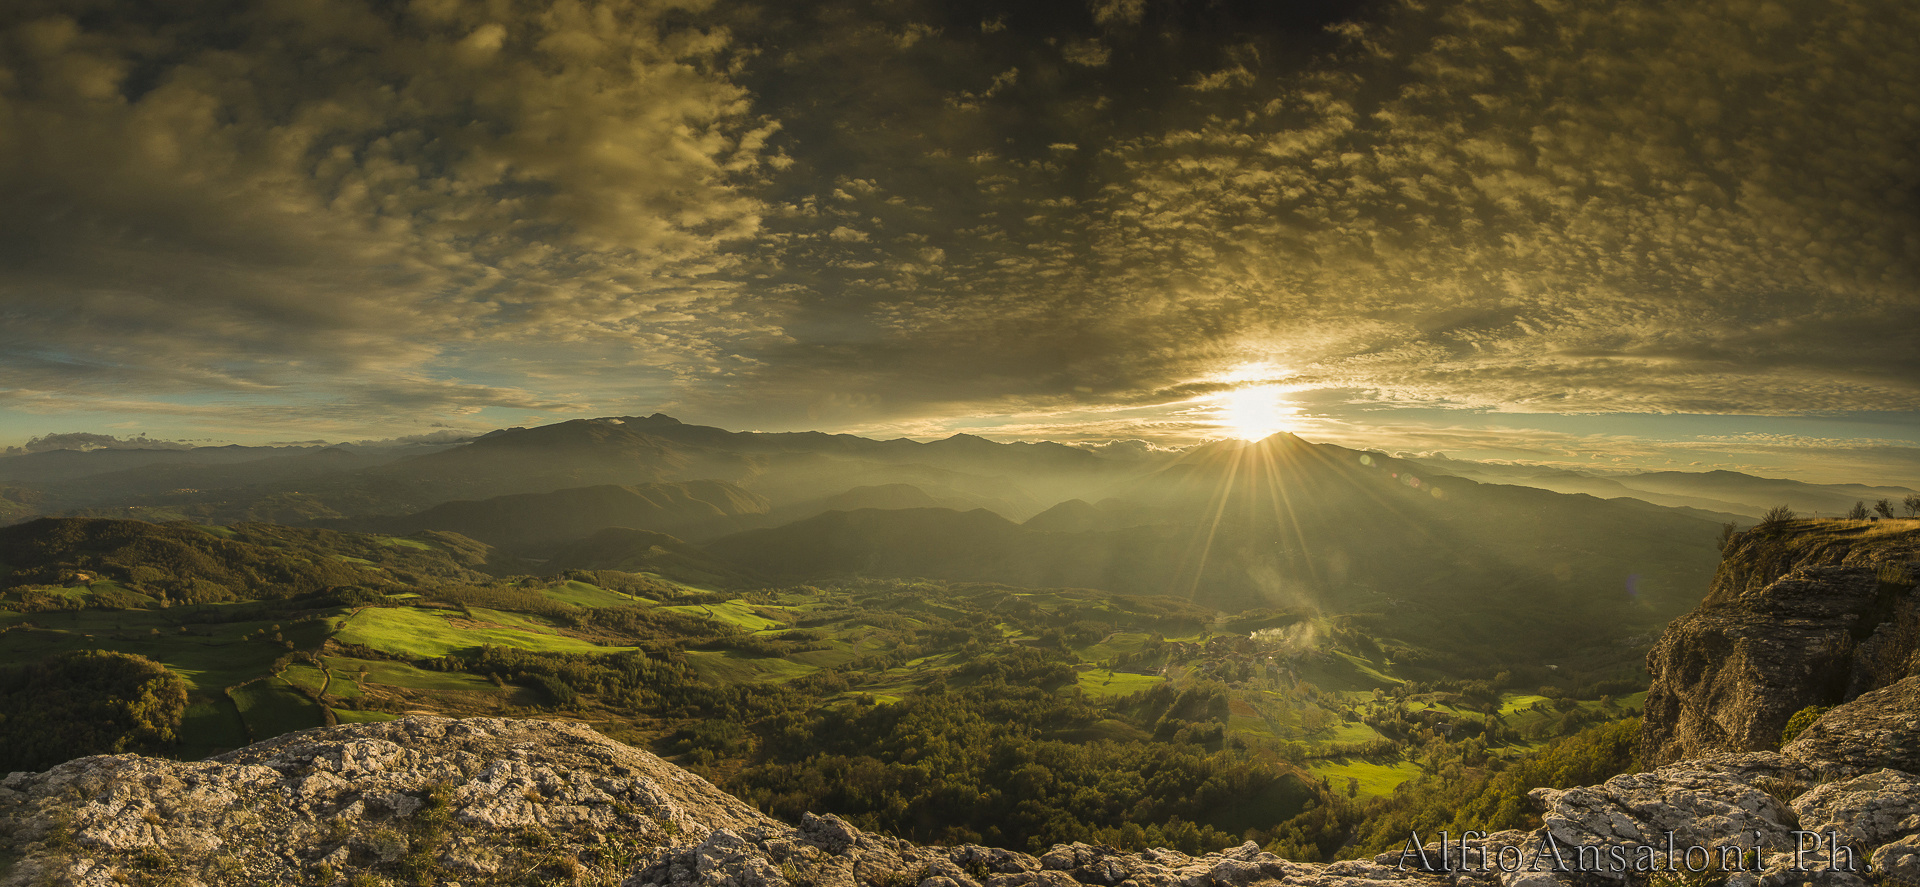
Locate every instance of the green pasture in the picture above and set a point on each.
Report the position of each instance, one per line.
(205, 662)
(1101, 682)
(210, 725)
(1376, 779)
(347, 671)
(427, 634)
(271, 708)
(1118, 643)
(397, 542)
(527, 621)
(305, 677)
(841, 654)
(735, 612)
(734, 667)
(584, 594)
(1513, 702)
(356, 716)
(1347, 733)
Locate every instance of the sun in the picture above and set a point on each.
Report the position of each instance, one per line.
(1255, 412)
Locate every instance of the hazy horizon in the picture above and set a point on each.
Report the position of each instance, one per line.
(1656, 236)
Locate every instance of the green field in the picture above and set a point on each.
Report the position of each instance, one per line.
(306, 677)
(1349, 732)
(1114, 645)
(425, 634)
(271, 708)
(1100, 682)
(355, 716)
(211, 726)
(736, 613)
(346, 674)
(535, 624)
(733, 667)
(1375, 779)
(583, 594)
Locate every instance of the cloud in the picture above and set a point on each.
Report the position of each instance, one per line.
(1487, 205)
(86, 440)
(866, 215)
(297, 197)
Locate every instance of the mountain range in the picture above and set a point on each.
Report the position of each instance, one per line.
(1281, 524)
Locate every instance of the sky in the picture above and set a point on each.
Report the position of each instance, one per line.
(1646, 234)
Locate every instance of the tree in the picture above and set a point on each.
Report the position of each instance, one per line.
(1727, 531)
(1885, 508)
(93, 702)
(1858, 512)
(1913, 505)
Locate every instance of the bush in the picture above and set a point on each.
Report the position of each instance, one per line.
(1777, 516)
(1800, 721)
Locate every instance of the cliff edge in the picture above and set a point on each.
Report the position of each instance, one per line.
(1810, 613)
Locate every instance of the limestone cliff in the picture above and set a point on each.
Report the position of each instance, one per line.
(1807, 614)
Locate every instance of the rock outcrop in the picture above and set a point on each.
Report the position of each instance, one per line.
(483, 801)
(1803, 615)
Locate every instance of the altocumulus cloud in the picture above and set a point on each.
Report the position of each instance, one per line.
(315, 200)
(859, 213)
(1700, 207)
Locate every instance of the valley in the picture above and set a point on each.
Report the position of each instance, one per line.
(957, 641)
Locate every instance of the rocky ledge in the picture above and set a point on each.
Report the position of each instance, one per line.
(1805, 614)
(481, 801)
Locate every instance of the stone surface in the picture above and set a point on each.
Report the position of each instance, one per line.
(1811, 616)
(1873, 731)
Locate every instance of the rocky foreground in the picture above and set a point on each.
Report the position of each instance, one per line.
(484, 801)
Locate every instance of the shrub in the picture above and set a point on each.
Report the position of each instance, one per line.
(1800, 721)
(1776, 516)
(1729, 531)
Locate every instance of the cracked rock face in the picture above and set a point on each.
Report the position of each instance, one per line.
(478, 801)
(1791, 621)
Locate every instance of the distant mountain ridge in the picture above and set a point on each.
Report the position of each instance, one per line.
(1736, 494)
(1288, 524)
(533, 519)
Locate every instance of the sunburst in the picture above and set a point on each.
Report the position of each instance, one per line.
(1255, 412)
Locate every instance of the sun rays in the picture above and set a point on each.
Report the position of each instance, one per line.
(1255, 412)
(1258, 407)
